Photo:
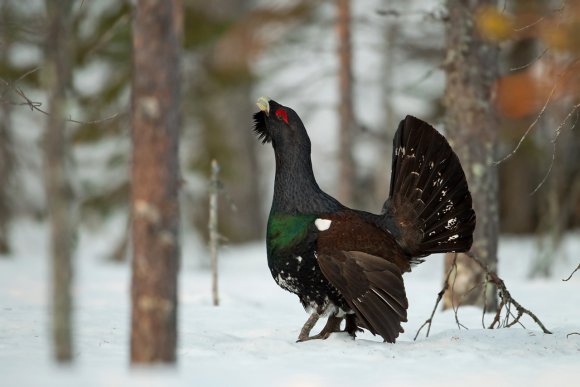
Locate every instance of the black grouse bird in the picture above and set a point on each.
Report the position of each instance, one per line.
(348, 264)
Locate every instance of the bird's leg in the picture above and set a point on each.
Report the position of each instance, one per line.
(308, 325)
(332, 325)
(351, 328)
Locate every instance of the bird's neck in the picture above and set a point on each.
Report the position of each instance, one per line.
(295, 187)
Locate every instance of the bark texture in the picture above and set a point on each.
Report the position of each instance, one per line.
(345, 108)
(155, 180)
(58, 188)
(7, 159)
(471, 126)
(6, 173)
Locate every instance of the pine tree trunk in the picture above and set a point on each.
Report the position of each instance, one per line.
(471, 127)
(7, 160)
(6, 171)
(58, 188)
(155, 180)
(346, 110)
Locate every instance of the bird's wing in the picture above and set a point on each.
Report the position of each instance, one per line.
(365, 264)
(372, 286)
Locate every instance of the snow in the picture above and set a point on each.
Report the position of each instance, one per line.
(250, 338)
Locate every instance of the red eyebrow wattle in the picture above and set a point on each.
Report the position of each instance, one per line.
(280, 113)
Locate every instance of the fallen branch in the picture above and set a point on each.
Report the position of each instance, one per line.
(506, 298)
(507, 302)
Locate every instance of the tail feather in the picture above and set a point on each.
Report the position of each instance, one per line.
(429, 209)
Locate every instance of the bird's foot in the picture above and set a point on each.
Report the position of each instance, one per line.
(351, 328)
(332, 325)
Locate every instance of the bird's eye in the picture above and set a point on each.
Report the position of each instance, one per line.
(282, 115)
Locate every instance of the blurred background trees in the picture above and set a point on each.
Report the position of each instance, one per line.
(58, 171)
(234, 52)
(155, 178)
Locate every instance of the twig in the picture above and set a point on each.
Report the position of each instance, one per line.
(36, 106)
(531, 62)
(506, 301)
(571, 274)
(429, 321)
(454, 306)
(554, 142)
(572, 334)
(532, 125)
(497, 316)
(213, 229)
(540, 114)
(437, 14)
(540, 19)
(506, 297)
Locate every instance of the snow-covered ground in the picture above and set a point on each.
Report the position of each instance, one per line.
(250, 338)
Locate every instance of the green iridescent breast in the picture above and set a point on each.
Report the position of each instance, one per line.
(286, 231)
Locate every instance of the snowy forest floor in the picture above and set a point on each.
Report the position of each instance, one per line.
(250, 338)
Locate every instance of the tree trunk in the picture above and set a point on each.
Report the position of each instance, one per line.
(7, 159)
(155, 180)
(58, 188)
(346, 111)
(471, 126)
(6, 172)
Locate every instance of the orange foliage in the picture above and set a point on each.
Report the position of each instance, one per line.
(525, 93)
(518, 95)
(554, 76)
(557, 29)
(494, 25)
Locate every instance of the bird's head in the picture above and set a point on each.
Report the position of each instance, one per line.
(279, 125)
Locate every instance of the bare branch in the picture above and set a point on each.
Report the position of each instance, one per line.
(36, 106)
(540, 19)
(530, 25)
(454, 306)
(571, 274)
(436, 14)
(429, 321)
(540, 114)
(506, 301)
(531, 62)
(554, 142)
(506, 297)
(532, 125)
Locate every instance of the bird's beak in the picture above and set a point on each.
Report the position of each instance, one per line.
(263, 104)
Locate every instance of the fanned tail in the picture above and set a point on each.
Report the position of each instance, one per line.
(429, 209)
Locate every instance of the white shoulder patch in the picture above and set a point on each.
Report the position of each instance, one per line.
(322, 224)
